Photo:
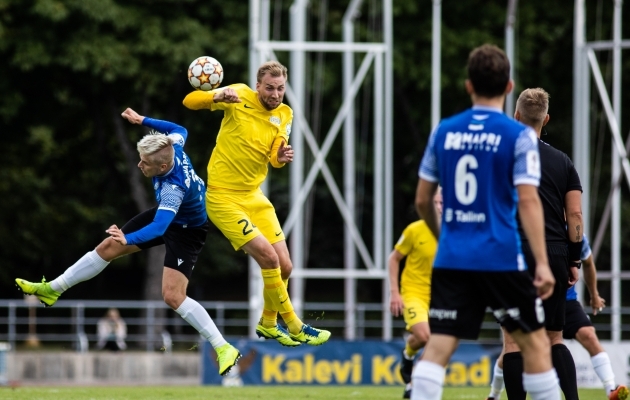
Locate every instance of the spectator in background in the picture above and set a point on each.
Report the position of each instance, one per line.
(112, 331)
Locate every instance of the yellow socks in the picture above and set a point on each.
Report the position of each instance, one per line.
(269, 317)
(275, 293)
(410, 352)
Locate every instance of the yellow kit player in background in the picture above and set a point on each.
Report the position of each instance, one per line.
(418, 244)
(254, 132)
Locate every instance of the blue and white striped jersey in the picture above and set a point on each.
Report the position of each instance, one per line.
(479, 157)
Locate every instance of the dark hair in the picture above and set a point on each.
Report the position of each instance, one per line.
(488, 70)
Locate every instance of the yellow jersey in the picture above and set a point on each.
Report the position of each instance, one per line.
(249, 137)
(419, 245)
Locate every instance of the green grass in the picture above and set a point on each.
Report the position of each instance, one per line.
(242, 393)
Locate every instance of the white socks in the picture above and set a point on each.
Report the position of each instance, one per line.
(88, 266)
(198, 318)
(603, 369)
(427, 380)
(542, 386)
(497, 382)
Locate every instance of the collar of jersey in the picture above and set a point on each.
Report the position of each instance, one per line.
(168, 173)
(487, 108)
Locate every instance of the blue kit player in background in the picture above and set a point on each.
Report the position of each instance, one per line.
(179, 222)
(578, 326)
(488, 166)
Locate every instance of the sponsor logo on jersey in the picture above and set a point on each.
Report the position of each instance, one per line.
(477, 122)
(472, 141)
(289, 125)
(274, 120)
(464, 216)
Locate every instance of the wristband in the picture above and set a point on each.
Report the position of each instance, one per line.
(577, 264)
(575, 250)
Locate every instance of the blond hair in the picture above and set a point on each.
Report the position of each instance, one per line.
(533, 105)
(153, 146)
(274, 68)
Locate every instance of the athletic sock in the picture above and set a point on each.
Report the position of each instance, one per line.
(197, 316)
(427, 380)
(278, 294)
(88, 266)
(603, 369)
(541, 386)
(497, 381)
(513, 376)
(409, 353)
(565, 368)
(269, 317)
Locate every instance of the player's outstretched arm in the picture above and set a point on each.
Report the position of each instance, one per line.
(531, 216)
(132, 116)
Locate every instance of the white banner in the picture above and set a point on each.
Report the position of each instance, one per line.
(619, 358)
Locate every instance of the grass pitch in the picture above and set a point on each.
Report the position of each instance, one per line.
(242, 393)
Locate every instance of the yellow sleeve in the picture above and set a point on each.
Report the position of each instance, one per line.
(274, 151)
(200, 99)
(406, 241)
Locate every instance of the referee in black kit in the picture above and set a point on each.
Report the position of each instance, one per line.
(560, 192)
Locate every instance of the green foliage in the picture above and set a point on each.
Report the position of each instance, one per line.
(70, 67)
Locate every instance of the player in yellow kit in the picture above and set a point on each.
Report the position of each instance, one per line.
(418, 244)
(254, 132)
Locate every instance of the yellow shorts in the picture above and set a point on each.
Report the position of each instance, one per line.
(242, 216)
(416, 309)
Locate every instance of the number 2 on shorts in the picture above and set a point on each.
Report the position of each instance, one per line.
(246, 223)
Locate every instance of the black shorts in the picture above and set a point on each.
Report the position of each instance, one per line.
(459, 300)
(183, 245)
(559, 263)
(576, 318)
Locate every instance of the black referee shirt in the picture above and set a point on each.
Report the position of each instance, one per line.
(558, 177)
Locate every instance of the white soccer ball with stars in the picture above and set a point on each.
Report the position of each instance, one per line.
(205, 73)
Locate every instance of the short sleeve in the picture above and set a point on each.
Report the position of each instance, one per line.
(526, 159)
(405, 242)
(429, 167)
(573, 182)
(586, 249)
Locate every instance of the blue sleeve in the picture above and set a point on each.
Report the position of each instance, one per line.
(166, 127)
(162, 220)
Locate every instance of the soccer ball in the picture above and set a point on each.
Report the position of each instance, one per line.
(205, 73)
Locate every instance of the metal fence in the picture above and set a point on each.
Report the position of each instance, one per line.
(153, 325)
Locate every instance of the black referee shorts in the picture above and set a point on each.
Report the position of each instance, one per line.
(559, 262)
(183, 245)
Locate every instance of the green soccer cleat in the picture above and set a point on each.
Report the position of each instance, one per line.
(276, 332)
(310, 335)
(46, 295)
(227, 356)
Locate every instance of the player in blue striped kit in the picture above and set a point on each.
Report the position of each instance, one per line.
(179, 222)
(488, 166)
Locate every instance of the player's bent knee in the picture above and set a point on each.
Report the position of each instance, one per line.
(173, 298)
(109, 249)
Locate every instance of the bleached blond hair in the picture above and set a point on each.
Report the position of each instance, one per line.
(153, 144)
(533, 105)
